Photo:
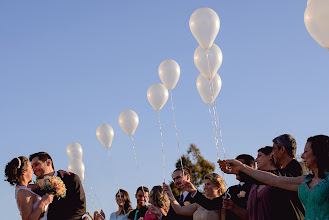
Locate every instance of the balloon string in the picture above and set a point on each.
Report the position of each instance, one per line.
(139, 173)
(173, 112)
(115, 176)
(213, 121)
(89, 196)
(94, 194)
(163, 154)
(220, 131)
(216, 118)
(213, 129)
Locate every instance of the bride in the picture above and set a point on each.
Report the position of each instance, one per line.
(214, 187)
(19, 173)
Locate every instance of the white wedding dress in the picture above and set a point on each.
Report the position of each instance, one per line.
(35, 204)
(204, 214)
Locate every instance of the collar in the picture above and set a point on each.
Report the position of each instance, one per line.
(242, 183)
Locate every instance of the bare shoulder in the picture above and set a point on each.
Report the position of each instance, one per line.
(24, 195)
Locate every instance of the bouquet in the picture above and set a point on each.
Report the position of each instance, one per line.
(52, 185)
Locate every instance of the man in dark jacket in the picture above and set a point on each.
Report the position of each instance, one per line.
(73, 206)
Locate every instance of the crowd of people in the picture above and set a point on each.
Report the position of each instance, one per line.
(279, 188)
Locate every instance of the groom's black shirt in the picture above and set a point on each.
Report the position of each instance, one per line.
(73, 206)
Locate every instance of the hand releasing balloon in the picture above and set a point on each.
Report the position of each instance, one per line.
(169, 72)
(128, 121)
(316, 19)
(77, 167)
(105, 135)
(204, 88)
(208, 66)
(204, 25)
(157, 95)
(74, 150)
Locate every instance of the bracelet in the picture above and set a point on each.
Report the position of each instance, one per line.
(172, 198)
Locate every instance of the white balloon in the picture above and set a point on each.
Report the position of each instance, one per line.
(316, 19)
(74, 150)
(204, 88)
(128, 121)
(157, 95)
(169, 72)
(77, 167)
(208, 66)
(204, 25)
(105, 135)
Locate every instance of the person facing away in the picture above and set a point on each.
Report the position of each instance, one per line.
(73, 206)
(160, 200)
(19, 172)
(142, 196)
(239, 193)
(123, 200)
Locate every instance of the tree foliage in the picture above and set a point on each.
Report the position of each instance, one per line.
(198, 165)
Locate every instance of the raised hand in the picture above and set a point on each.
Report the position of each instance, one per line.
(167, 189)
(154, 210)
(227, 203)
(63, 172)
(189, 187)
(230, 166)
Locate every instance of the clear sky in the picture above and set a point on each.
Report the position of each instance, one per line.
(68, 66)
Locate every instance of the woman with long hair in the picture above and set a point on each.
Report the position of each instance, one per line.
(313, 189)
(124, 205)
(18, 173)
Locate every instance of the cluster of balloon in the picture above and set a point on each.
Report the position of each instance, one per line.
(208, 57)
(169, 73)
(204, 25)
(316, 19)
(74, 150)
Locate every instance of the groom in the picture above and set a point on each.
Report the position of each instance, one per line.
(73, 206)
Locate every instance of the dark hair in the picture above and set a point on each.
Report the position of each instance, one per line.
(289, 143)
(185, 170)
(12, 172)
(248, 159)
(143, 189)
(267, 150)
(159, 198)
(127, 204)
(320, 149)
(43, 156)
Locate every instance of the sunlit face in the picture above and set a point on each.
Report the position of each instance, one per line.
(29, 172)
(179, 179)
(309, 158)
(210, 189)
(40, 168)
(262, 160)
(276, 154)
(120, 199)
(141, 199)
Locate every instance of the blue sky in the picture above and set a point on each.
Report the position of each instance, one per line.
(68, 66)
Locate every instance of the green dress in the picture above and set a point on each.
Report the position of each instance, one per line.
(315, 200)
